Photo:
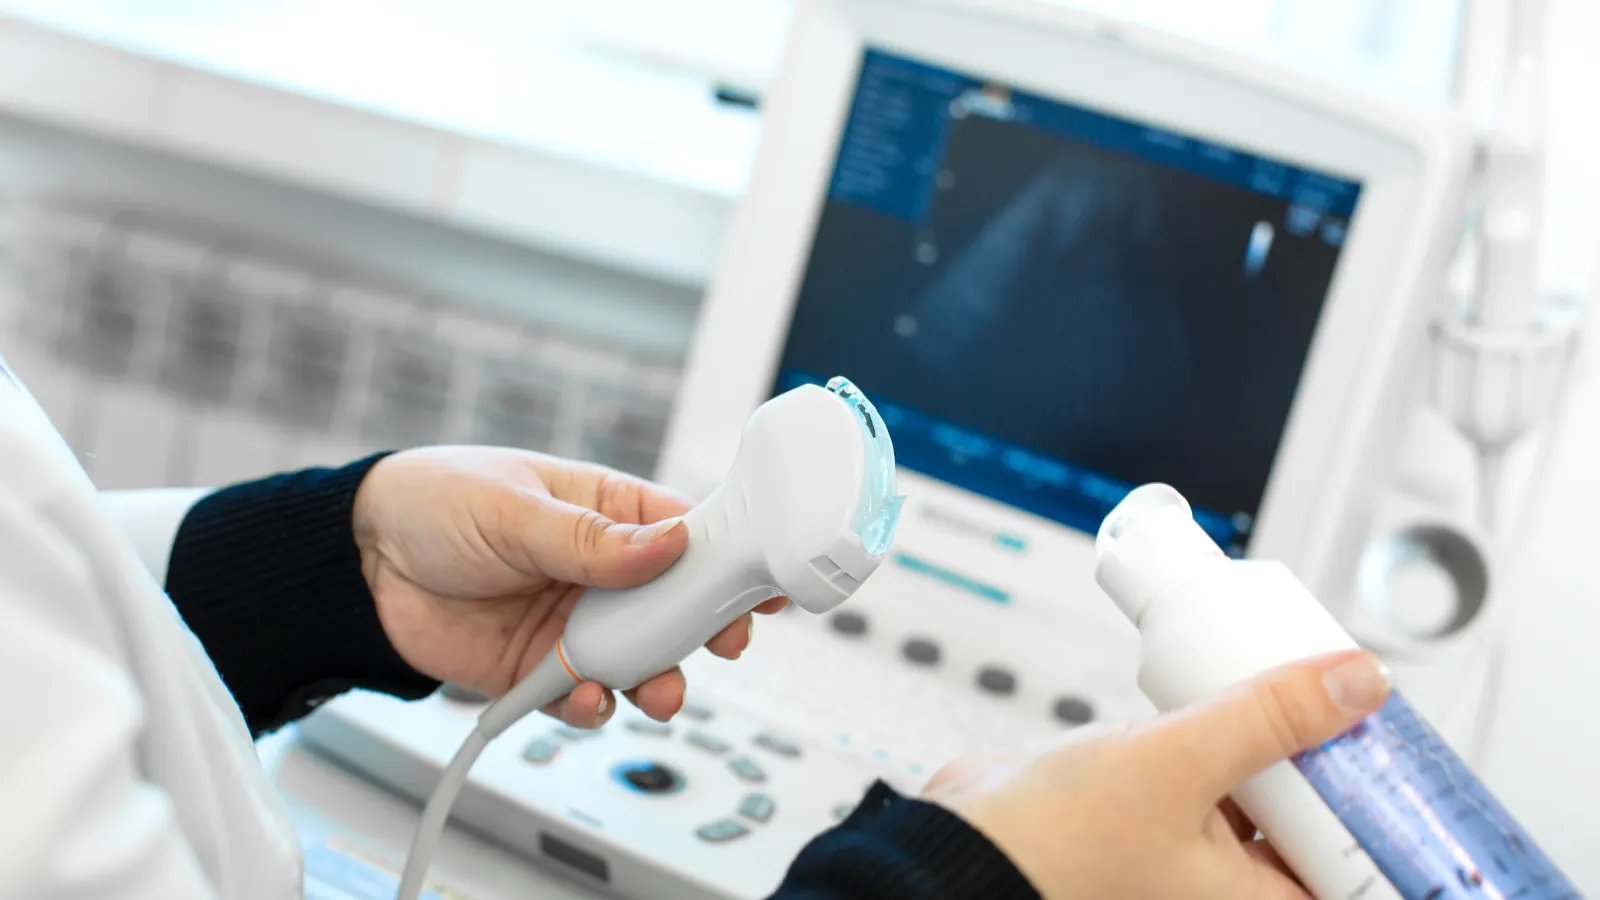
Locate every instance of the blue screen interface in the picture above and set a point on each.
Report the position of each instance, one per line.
(1051, 306)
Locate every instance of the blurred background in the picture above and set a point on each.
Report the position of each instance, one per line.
(248, 234)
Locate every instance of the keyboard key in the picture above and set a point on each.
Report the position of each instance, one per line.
(721, 831)
(778, 744)
(567, 732)
(849, 623)
(696, 711)
(1074, 710)
(748, 769)
(708, 742)
(921, 652)
(649, 727)
(757, 808)
(461, 695)
(540, 751)
(998, 681)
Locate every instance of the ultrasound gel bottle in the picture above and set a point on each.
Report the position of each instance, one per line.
(1386, 810)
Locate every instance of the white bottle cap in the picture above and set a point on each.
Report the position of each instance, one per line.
(1149, 546)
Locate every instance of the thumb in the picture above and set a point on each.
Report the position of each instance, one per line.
(1222, 743)
(576, 544)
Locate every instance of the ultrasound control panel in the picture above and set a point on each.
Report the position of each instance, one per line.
(715, 803)
(767, 752)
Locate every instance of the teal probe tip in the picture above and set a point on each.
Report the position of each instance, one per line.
(878, 511)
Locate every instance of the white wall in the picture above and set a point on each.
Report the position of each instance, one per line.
(1572, 194)
(544, 288)
(1544, 759)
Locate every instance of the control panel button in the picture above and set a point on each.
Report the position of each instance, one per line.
(696, 711)
(757, 807)
(460, 694)
(996, 680)
(921, 651)
(721, 831)
(778, 744)
(649, 727)
(540, 751)
(708, 742)
(748, 769)
(849, 623)
(1074, 710)
(568, 733)
(648, 777)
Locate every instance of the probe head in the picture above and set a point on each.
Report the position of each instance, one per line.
(816, 468)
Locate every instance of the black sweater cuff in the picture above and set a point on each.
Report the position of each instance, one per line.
(268, 576)
(896, 847)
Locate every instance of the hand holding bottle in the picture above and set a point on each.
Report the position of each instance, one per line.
(1141, 811)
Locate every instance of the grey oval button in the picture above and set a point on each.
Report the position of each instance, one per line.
(721, 831)
(922, 652)
(996, 680)
(567, 732)
(757, 807)
(849, 624)
(777, 744)
(748, 770)
(461, 695)
(1074, 710)
(708, 742)
(541, 751)
(649, 727)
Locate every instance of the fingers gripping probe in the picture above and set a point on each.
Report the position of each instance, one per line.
(807, 511)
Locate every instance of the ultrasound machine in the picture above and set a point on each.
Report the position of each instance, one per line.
(1064, 256)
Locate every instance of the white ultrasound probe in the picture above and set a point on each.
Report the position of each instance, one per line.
(807, 512)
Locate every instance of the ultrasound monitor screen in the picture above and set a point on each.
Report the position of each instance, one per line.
(1051, 306)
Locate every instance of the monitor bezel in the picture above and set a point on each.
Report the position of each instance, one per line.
(1369, 341)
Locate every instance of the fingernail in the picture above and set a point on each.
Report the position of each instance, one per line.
(605, 703)
(651, 533)
(749, 630)
(1359, 684)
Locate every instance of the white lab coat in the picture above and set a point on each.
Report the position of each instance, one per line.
(126, 769)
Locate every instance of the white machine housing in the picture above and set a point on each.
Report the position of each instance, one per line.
(1361, 375)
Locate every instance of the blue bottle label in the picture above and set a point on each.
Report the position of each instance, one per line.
(1428, 823)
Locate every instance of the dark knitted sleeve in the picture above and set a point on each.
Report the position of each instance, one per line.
(268, 577)
(906, 849)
